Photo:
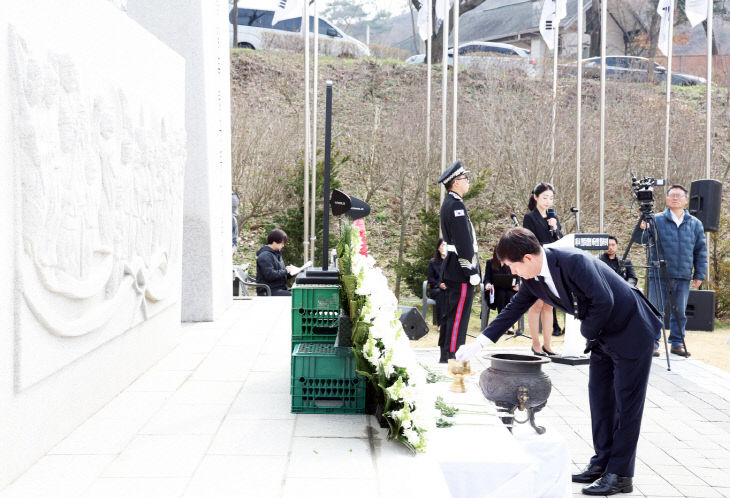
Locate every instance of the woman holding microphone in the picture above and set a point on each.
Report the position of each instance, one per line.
(543, 222)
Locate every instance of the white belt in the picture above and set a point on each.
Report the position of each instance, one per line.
(450, 248)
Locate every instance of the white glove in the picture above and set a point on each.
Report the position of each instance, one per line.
(468, 351)
(475, 280)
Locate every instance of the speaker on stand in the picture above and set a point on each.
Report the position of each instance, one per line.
(705, 198)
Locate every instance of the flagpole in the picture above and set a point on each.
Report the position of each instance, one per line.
(669, 87)
(313, 212)
(604, 15)
(579, 93)
(708, 135)
(456, 78)
(307, 123)
(428, 92)
(444, 87)
(556, 26)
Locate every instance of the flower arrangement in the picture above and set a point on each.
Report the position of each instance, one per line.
(382, 352)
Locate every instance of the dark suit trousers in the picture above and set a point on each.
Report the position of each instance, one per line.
(460, 297)
(616, 390)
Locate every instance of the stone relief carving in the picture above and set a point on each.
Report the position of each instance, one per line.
(100, 188)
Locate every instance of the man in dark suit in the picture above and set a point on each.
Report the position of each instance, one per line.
(619, 324)
(460, 268)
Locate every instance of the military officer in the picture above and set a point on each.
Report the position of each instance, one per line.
(460, 269)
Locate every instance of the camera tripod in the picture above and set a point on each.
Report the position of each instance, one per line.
(657, 273)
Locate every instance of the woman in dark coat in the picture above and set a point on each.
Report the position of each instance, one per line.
(437, 292)
(502, 295)
(543, 222)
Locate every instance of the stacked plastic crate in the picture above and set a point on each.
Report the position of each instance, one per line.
(323, 378)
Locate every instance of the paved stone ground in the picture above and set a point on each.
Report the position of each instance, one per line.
(212, 419)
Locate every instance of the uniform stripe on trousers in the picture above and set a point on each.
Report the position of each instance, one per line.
(457, 319)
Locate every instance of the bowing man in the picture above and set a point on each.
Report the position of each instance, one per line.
(460, 268)
(619, 325)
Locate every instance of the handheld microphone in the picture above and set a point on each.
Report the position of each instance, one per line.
(514, 219)
(551, 214)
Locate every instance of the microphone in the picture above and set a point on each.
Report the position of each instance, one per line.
(574, 209)
(551, 214)
(514, 219)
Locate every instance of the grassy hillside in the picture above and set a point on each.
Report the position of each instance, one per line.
(503, 138)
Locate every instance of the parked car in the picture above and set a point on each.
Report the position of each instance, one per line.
(488, 56)
(256, 32)
(630, 68)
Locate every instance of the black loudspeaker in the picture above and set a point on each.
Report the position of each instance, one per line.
(700, 311)
(705, 197)
(413, 323)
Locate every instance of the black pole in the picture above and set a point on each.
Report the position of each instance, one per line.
(326, 184)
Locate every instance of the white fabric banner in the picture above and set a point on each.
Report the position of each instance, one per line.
(440, 10)
(423, 20)
(286, 9)
(696, 11)
(552, 12)
(664, 28)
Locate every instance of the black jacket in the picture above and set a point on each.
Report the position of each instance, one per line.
(434, 273)
(458, 231)
(626, 271)
(538, 225)
(270, 269)
(501, 295)
(611, 311)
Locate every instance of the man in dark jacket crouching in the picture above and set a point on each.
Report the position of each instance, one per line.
(270, 269)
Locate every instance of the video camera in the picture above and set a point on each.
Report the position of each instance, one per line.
(643, 191)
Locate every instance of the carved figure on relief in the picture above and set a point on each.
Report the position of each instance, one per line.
(101, 175)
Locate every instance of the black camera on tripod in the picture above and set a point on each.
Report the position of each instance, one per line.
(643, 191)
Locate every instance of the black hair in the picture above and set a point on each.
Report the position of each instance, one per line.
(516, 243)
(539, 189)
(277, 235)
(680, 187)
(496, 263)
(437, 254)
(449, 184)
(611, 237)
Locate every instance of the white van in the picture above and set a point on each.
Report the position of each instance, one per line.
(256, 32)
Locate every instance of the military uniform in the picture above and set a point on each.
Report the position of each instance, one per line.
(460, 269)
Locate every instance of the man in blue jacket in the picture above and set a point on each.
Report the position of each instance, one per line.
(682, 238)
(619, 324)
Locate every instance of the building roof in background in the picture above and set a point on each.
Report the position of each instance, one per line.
(501, 19)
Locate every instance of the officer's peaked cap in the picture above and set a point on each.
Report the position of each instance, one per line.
(452, 172)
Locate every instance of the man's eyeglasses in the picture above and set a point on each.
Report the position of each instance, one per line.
(676, 196)
(462, 177)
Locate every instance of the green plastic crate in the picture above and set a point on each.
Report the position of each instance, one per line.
(315, 297)
(314, 326)
(324, 380)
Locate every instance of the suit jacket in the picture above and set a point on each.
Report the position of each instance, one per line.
(612, 312)
(458, 231)
(535, 223)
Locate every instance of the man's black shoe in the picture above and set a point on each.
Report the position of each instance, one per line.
(610, 484)
(590, 474)
(557, 332)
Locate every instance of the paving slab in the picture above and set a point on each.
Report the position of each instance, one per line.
(212, 419)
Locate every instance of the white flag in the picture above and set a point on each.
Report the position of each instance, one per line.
(552, 12)
(423, 19)
(440, 6)
(665, 29)
(286, 9)
(696, 11)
